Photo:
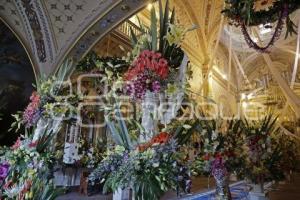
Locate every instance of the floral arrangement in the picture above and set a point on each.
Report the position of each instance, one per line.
(156, 56)
(150, 170)
(256, 12)
(289, 151)
(111, 71)
(25, 171)
(45, 102)
(223, 152)
(262, 150)
(90, 155)
(223, 147)
(148, 71)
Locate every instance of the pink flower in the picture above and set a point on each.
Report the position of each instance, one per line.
(32, 113)
(32, 144)
(17, 144)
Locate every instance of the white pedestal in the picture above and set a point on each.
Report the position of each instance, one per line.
(122, 194)
(257, 194)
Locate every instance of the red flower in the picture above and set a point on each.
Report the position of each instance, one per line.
(163, 72)
(218, 156)
(161, 138)
(148, 60)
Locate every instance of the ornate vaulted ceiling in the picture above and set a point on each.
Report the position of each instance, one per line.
(53, 30)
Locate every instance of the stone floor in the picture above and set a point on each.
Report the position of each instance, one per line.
(284, 191)
(200, 184)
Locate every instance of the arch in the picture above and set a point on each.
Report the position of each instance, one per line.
(16, 78)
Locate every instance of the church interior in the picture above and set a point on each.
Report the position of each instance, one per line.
(149, 99)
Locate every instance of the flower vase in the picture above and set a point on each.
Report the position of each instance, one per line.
(149, 121)
(122, 194)
(169, 106)
(40, 128)
(222, 188)
(46, 126)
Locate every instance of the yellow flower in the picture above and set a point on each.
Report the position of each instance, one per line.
(48, 107)
(175, 34)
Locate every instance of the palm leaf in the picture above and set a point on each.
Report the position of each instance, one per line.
(44, 142)
(154, 29)
(124, 130)
(172, 19)
(115, 134)
(119, 130)
(161, 25)
(134, 39)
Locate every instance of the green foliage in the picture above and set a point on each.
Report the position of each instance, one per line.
(43, 189)
(265, 155)
(93, 63)
(30, 168)
(119, 130)
(264, 127)
(149, 174)
(185, 130)
(171, 52)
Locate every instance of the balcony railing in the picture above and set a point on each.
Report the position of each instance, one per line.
(124, 29)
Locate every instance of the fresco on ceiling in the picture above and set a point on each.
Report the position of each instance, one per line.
(16, 79)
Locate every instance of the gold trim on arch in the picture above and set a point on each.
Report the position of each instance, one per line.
(112, 28)
(29, 55)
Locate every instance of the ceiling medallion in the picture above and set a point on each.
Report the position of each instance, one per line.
(249, 13)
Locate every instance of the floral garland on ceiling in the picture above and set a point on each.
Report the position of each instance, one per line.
(248, 13)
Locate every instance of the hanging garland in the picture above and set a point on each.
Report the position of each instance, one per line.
(248, 13)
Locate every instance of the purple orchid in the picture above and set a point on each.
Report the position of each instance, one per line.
(4, 169)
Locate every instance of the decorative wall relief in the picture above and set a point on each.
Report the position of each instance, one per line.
(36, 29)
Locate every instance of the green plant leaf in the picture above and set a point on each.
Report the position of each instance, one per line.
(154, 29)
(134, 39)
